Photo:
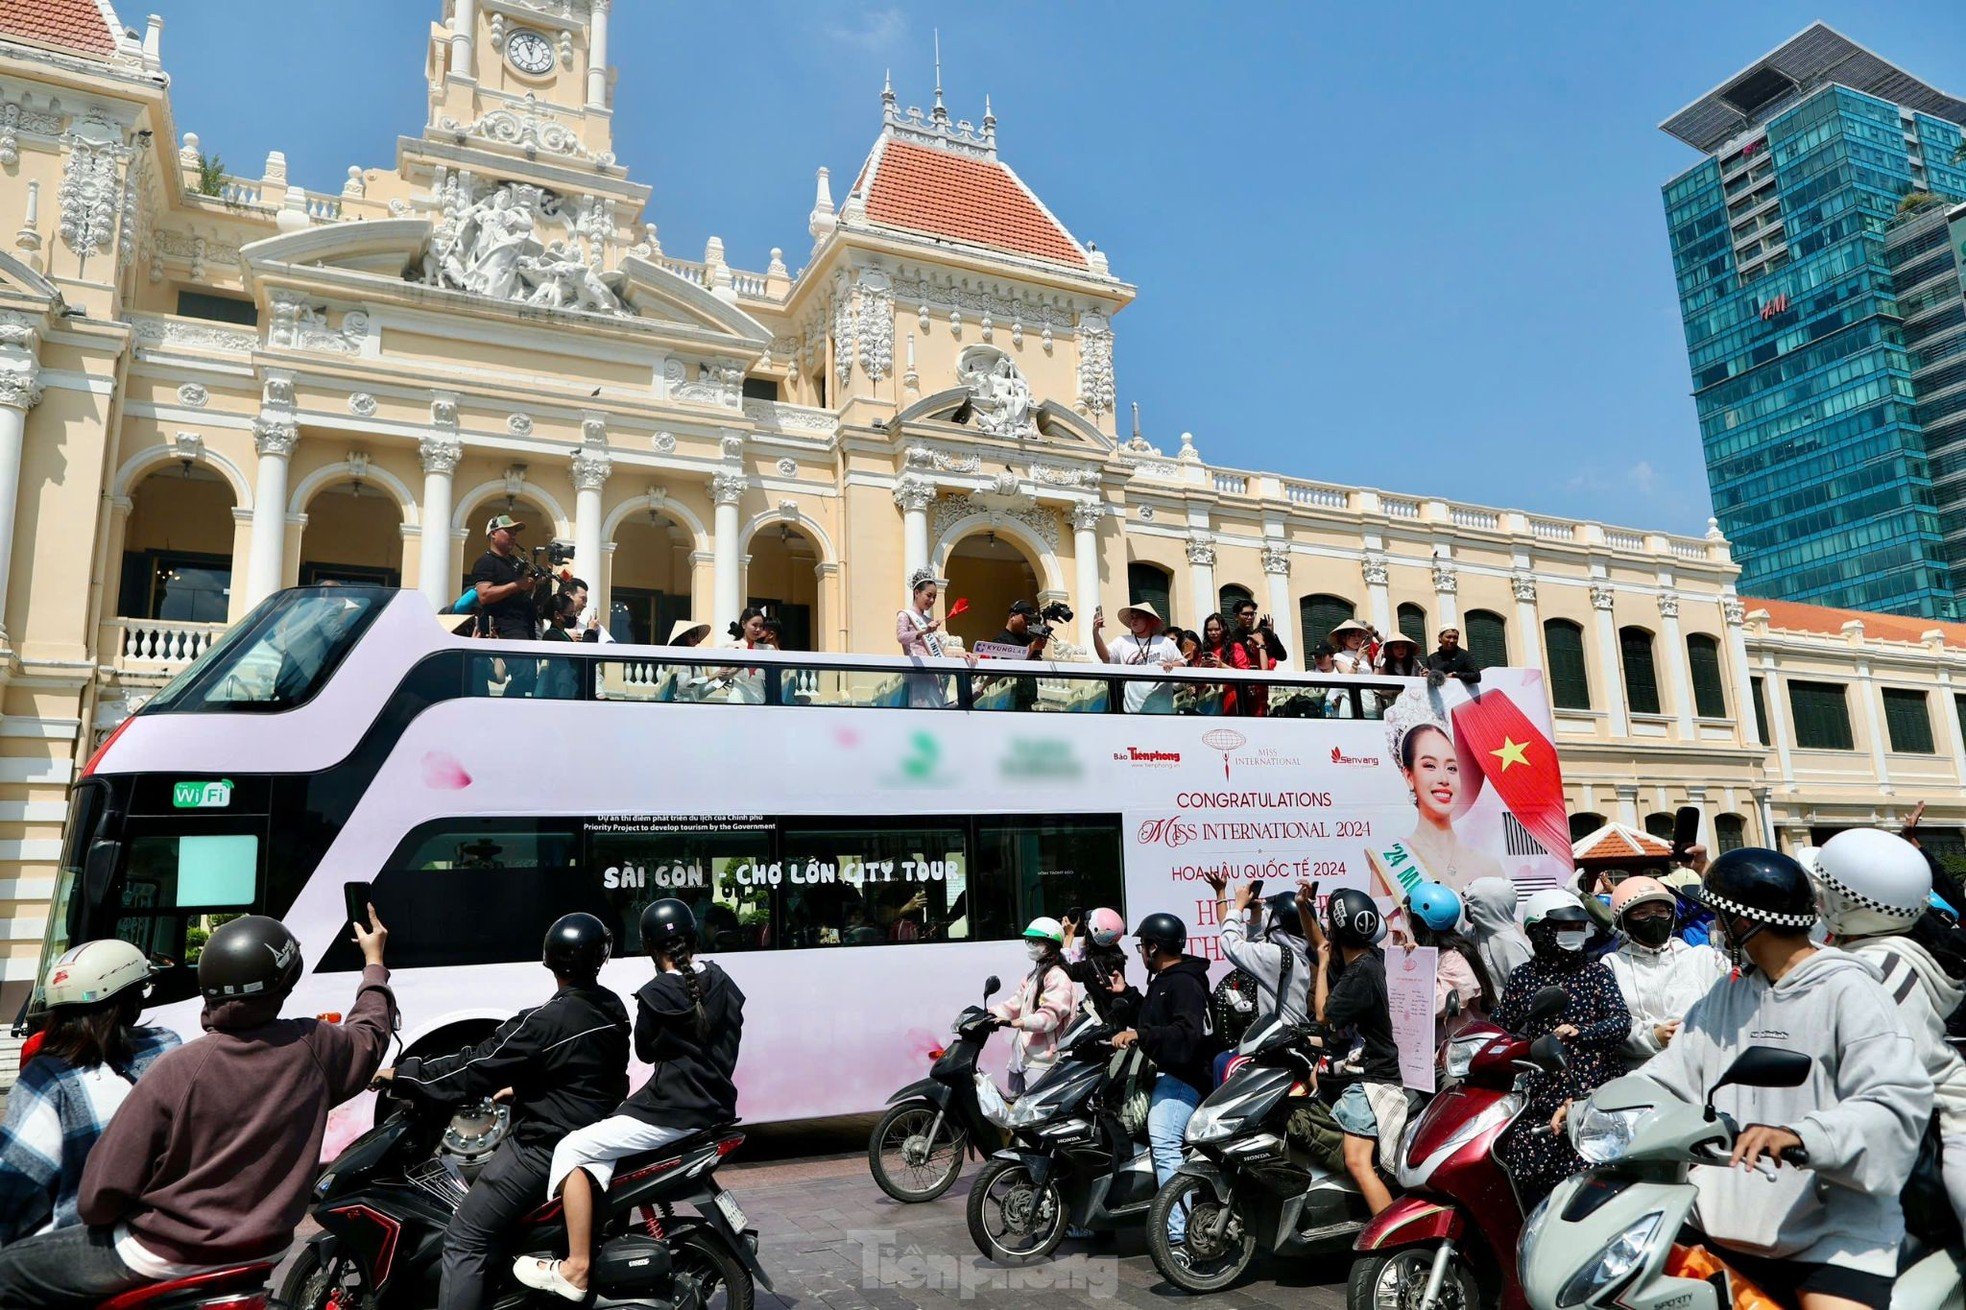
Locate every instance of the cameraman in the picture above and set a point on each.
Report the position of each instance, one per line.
(1025, 627)
(504, 581)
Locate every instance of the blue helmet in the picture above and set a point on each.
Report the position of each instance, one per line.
(1434, 905)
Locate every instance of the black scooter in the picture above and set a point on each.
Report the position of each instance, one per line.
(1071, 1162)
(384, 1203)
(917, 1148)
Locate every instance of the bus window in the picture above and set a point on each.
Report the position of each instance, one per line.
(1032, 692)
(539, 678)
(277, 658)
(849, 884)
(648, 680)
(176, 887)
(1046, 866)
(879, 688)
(718, 865)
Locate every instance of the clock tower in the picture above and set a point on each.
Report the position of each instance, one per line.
(527, 74)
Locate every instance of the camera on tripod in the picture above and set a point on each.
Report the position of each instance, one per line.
(547, 559)
(1040, 628)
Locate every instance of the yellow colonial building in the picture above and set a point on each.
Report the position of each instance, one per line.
(214, 386)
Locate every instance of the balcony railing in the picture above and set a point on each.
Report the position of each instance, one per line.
(156, 646)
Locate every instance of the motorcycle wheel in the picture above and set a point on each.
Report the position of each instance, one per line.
(708, 1275)
(317, 1283)
(908, 1166)
(1398, 1279)
(1197, 1264)
(1013, 1220)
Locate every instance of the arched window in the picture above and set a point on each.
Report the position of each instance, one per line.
(1641, 678)
(1703, 659)
(1486, 635)
(1729, 833)
(1583, 825)
(1319, 614)
(1659, 825)
(1152, 585)
(1570, 679)
(1232, 595)
(1413, 622)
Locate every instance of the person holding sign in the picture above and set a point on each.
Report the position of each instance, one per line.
(1356, 1001)
(1593, 1024)
(1433, 917)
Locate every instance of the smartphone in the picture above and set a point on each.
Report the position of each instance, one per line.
(1685, 830)
(1076, 914)
(1256, 890)
(355, 898)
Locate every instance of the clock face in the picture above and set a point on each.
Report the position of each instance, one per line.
(529, 52)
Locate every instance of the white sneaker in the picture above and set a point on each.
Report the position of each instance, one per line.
(544, 1276)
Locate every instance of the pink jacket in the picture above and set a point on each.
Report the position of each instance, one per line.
(1038, 1014)
(913, 638)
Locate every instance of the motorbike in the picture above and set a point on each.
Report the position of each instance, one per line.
(239, 1288)
(1448, 1242)
(1071, 1162)
(918, 1147)
(1604, 1237)
(385, 1201)
(1243, 1182)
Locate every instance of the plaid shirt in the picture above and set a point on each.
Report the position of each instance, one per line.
(55, 1113)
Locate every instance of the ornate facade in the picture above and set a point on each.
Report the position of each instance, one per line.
(214, 386)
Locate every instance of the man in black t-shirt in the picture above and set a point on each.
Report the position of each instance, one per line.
(1357, 1002)
(1017, 632)
(505, 607)
(1452, 660)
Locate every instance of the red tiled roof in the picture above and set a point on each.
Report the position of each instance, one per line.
(1797, 617)
(963, 199)
(71, 24)
(1615, 841)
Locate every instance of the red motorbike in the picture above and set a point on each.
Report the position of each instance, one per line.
(1449, 1242)
(241, 1288)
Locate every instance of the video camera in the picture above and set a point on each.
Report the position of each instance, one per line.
(1039, 629)
(547, 559)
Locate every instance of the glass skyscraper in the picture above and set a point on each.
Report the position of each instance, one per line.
(1820, 288)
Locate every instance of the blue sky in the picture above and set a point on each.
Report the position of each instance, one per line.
(1412, 246)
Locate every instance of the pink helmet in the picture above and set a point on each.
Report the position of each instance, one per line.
(1638, 891)
(1104, 926)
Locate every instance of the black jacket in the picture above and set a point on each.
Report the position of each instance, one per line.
(1173, 1022)
(1458, 665)
(566, 1062)
(691, 1080)
(1091, 973)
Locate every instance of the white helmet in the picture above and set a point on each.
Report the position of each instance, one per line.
(1044, 928)
(1870, 882)
(94, 971)
(1539, 904)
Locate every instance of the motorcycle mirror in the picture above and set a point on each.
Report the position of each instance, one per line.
(1547, 1053)
(990, 986)
(1546, 1004)
(1454, 1003)
(1764, 1066)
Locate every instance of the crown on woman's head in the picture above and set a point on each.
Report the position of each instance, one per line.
(1417, 707)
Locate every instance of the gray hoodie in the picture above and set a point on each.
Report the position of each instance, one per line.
(1263, 960)
(1925, 994)
(1490, 906)
(1860, 1115)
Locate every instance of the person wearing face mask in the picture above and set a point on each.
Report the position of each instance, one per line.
(1040, 1007)
(1659, 975)
(1872, 888)
(1593, 1025)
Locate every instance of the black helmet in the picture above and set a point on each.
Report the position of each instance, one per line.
(250, 956)
(1164, 931)
(1759, 885)
(1283, 914)
(665, 923)
(577, 945)
(1353, 918)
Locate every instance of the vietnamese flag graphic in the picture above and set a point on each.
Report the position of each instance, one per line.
(1515, 758)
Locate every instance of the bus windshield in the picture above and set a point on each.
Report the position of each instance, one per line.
(279, 657)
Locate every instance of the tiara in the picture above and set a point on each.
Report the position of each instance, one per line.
(1417, 707)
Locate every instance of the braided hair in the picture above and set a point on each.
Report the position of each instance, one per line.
(681, 957)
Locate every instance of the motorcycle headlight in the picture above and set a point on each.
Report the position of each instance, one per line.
(1624, 1253)
(1027, 1110)
(1209, 1124)
(1602, 1136)
(1458, 1056)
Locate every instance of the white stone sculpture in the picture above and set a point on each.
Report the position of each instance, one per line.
(998, 394)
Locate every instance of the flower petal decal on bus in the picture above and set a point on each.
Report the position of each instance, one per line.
(442, 772)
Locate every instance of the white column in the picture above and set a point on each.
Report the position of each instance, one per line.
(464, 28)
(1201, 568)
(1378, 597)
(1446, 584)
(437, 578)
(1613, 667)
(727, 489)
(1528, 622)
(1283, 611)
(1949, 720)
(1085, 560)
(1874, 711)
(19, 392)
(1628, 804)
(1737, 661)
(597, 56)
(1677, 661)
(274, 438)
(1775, 694)
(591, 467)
(913, 494)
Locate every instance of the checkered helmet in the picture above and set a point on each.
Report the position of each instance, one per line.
(1761, 886)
